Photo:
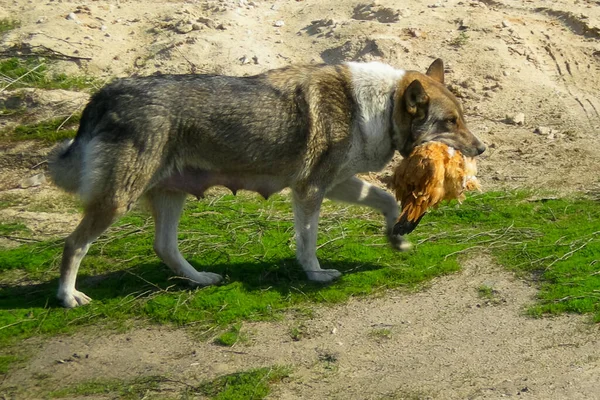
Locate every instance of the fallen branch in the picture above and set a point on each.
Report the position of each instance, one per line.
(462, 251)
(26, 51)
(570, 253)
(16, 323)
(20, 239)
(67, 119)
(583, 296)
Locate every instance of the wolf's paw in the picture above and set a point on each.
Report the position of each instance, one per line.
(398, 242)
(204, 279)
(74, 299)
(323, 275)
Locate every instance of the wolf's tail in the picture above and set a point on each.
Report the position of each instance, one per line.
(65, 163)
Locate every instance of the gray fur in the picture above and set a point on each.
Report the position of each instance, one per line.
(65, 163)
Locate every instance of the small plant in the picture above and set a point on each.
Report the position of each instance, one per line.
(381, 333)
(329, 359)
(298, 332)
(7, 24)
(485, 292)
(489, 294)
(460, 40)
(232, 336)
(305, 312)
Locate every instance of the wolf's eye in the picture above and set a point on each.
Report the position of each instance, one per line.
(452, 120)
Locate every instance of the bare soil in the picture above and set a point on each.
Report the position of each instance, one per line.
(503, 57)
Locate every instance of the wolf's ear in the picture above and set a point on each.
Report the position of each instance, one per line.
(436, 70)
(416, 99)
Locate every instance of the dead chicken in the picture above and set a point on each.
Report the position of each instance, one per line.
(432, 173)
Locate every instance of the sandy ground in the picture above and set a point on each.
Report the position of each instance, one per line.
(503, 58)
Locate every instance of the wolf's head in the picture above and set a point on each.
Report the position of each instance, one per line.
(425, 110)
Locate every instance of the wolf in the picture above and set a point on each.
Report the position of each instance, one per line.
(309, 128)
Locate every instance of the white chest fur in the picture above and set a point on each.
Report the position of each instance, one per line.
(373, 86)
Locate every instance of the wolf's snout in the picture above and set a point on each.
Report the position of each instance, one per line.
(481, 147)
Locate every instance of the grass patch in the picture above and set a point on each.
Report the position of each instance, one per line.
(460, 40)
(7, 24)
(250, 243)
(8, 200)
(489, 295)
(381, 333)
(51, 131)
(485, 292)
(59, 203)
(253, 384)
(7, 229)
(6, 362)
(298, 332)
(247, 385)
(232, 336)
(33, 72)
(133, 389)
(402, 394)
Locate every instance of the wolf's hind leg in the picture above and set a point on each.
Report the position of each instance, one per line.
(166, 209)
(96, 220)
(357, 191)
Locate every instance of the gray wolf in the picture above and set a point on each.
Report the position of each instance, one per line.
(307, 128)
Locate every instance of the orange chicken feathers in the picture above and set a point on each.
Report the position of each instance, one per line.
(432, 173)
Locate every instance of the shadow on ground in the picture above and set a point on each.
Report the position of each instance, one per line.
(282, 275)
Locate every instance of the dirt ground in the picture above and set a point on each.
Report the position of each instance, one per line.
(540, 59)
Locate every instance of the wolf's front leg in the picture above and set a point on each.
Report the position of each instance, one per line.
(307, 205)
(356, 191)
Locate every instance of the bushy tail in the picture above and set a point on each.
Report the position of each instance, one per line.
(65, 164)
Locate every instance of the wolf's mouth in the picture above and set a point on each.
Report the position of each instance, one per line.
(469, 151)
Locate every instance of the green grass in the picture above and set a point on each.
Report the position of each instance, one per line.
(8, 200)
(60, 203)
(250, 385)
(232, 336)
(485, 292)
(250, 242)
(298, 332)
(247, 385)
(49, 132)
(489, 295)
(12, 228)
(131, 389)
(381, 333)
(7, 24)
(460, 40)
(33, 72)
(6, 362)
